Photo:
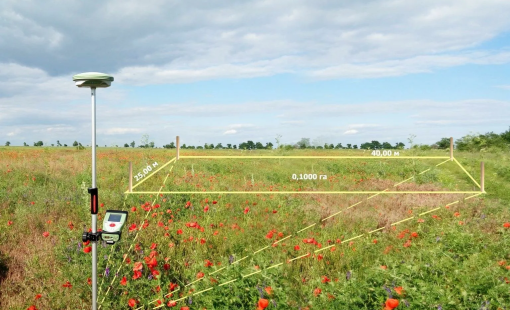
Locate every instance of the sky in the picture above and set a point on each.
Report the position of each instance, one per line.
(232, 71)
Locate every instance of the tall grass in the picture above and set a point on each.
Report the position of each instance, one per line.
(451, 263)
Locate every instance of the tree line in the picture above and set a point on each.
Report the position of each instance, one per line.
(471, 142)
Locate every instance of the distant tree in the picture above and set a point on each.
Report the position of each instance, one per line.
(65, 145)
(52, 144)
(200, 147)
(58, 143)
(444, 143)
(386, 146)
(126, 145)
(229, 146)
(366, 146)
(348, 145)
(235, 147)
(376, 145)
(7, 143)
(355, 146)
(151, 144)
(218, 146)
(319, 147)
(250, 145)
(326, 146)
(303, 143)
(259, 146)
(25, 144)
(399, 146)
(243, 146)
(339, 146)
(75, 143)
(38, 143)
(269, 146)
(132, 144)
(506, 135)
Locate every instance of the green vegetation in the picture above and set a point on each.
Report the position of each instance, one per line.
(453, 258)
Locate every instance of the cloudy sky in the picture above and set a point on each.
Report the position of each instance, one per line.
(232, 71)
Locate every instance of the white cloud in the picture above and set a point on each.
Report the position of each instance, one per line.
(230, 132)
(120, 131)
(176, 42)
(503, 86)
(362, 125)
(350, 132)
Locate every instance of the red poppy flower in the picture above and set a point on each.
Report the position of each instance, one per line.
(171, 303)
(246, 210)
(399, 289)
(89, 281)
(172, 286)
(407, 244)
(166, 266)
(206, 208)
(32, 307)
(132, 227)
(179, 231)
(153, 246)
(421, 220)
(317, 292)
(87, 249)
(269, 290)
(384, 267)
(506, 225)
(133, 209)
(137, 274)
(269, 235)
(320, 257)
(325, 279)
(391, 303)
(214, 202)
(38, 296)
(202, 241)
(414, 235)
(297, 248)
(67, 284)
(263, 303)
(46, 234)
(137, 266)
(208, 263)
(132, 302)
(184, 308)
(9, 223)
(200, 275)
(123, 281)
(374, 241)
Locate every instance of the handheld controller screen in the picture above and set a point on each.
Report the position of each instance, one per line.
(114, 218)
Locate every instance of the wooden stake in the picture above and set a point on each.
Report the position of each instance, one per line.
(451, 148)
(177, 144)
(130, 177)
(482, 171)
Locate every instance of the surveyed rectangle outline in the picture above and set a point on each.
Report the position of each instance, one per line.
(312, 192)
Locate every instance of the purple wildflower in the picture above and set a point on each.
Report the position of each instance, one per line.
(261, 294)
(388, 290)
(348, 275)
(107, 272)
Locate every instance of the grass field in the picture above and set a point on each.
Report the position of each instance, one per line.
(228, 251)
